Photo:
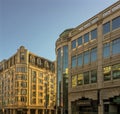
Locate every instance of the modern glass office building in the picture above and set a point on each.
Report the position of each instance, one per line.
(88, 65)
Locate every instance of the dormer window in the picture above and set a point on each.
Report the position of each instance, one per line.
(22, 56)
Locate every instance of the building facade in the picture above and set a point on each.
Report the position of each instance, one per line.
(92, 65)
(27, 84)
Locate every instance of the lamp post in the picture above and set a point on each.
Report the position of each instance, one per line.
(46, 98)
(2, 96)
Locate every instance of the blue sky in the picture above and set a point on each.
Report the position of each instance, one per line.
(37, 24)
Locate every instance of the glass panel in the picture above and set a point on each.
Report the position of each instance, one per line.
(73, 44)
(93, 54)
(59, 73)
(65, 57)
(86, 38)
(79, 41)
(106, 28)
(106, 50)
(93, 34)
(86, 77)
(73, 61)
(107, 73)
(80, 79)
(93, 76)
(116, 46)
(74, 81)
(86, 57)
(116, 23)
(80, 60)
(116, 71)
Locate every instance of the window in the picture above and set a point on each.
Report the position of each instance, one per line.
(22, 56)
(107, 73)
(116, 71)
(34, 87)
(24, 77)
(79, 41)
(74, 81)
(86, 57)
(86, 38)
(106, 50)
(34, 94)
(86, 77)
(33, 101)
(73, 61)
(93, 76)
(106, 27)
(116, 46)
(40, 94)
(116, 23)
(41, 75)
(23, 99)
(65, 57)
(21, 69)
(34, 76)
(24, 84)
(40, 101)
(93, 34)
(23, 91)
(93, 54)
(40, 81)
(80, 59)
(40, 87)
(73, 44)
(80, 79)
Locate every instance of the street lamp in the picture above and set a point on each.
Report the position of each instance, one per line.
(2, 96)
(46, 98)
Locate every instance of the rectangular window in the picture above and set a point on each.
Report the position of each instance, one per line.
(93, 76)
(73, 44)
(80, 79)
(107, 73)
(93, 54)
(106, 50)
(116, 46)
(86, 57)
(74, 61)
(86, 77)
(116, 71)
(40, 101)
(86, 38)
(80, 59)
(79, 41)
(41, 75)
(94, 34)
(106, 27)
(116, 23)
(74, 81)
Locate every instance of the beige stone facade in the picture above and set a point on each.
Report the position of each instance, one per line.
(27, 84)
(94, 63)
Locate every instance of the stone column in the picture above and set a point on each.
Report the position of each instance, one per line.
(69, 107)
(14, 111)
(36, 111)
(100, 108)
(100, 70)
(28, 111)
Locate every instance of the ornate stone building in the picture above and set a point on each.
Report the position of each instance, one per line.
(91, 55)
(27, 84)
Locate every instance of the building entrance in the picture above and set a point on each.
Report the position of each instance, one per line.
(85, 106)
(112, 105)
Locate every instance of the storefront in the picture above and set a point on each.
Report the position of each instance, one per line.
(112, 105)
(84, 106)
